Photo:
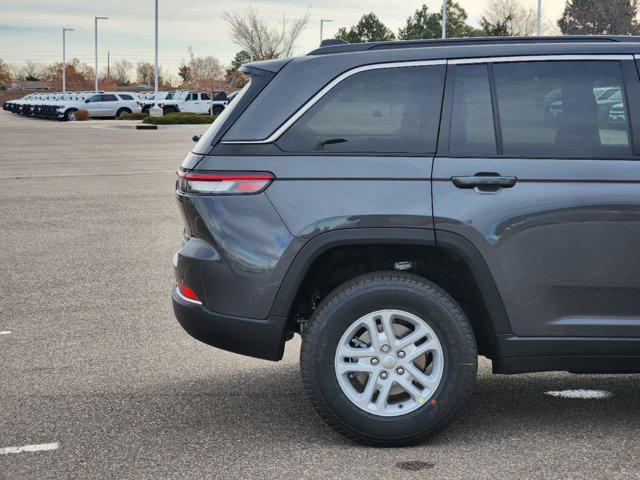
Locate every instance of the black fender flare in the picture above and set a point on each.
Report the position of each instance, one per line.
(414, 236)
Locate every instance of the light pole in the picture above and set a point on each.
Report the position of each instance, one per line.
(444, 18)
(64, 58)
(539, 29)
(155, 111)
(322, 22)
(95, 28)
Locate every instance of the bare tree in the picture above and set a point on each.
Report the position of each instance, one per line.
(205, 73)
(262, 39)
(5, 75)
(518, 19)
(120, 70)
(145, 73)
(30, 70)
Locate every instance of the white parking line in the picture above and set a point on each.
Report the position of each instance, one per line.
(5, 332)
(582, 394)
(41, 447)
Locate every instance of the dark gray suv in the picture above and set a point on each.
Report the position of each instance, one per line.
(406, 206)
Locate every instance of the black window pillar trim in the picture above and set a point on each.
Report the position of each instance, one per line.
(497, 129)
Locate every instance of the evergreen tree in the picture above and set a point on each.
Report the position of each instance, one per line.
(423, 24)
(600, 17)
(368, 29)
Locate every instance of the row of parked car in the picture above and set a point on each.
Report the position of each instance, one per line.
(63, 106)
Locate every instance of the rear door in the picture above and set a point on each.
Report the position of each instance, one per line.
(109, 105)
(544, 180)
(192, 103)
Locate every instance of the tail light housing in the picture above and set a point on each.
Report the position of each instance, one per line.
(223, 183)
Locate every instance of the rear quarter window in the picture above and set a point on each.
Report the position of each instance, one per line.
(386, 110)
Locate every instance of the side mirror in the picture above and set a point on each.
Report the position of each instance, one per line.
(196, 138)
(86, 101)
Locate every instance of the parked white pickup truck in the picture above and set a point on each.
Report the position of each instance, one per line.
(195, 102)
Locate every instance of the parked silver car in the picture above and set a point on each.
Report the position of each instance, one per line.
(103, 104)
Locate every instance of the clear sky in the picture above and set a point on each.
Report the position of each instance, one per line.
(31, 29)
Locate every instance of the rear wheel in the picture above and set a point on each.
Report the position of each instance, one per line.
(122, 112)
(388, 359)
(70, 115)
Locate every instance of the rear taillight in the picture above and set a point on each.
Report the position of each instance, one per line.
(223, 183)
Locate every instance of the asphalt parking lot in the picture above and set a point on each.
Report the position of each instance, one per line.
(93, 361)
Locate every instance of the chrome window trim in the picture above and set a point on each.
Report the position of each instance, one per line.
(459, 61)
(537, 58)
(310, 103)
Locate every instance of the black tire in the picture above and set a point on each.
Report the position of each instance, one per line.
(122, 111)
(166, 110)
(368, 293)
(216, 110)
(69, 115)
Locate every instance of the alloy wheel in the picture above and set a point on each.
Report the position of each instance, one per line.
(389, 362)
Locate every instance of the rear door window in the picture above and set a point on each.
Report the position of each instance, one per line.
(562, 109)
(386, 110)
(108, 98)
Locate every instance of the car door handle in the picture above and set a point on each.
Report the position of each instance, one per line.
(484, 180)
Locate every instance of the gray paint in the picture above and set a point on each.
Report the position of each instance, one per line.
(316, 193)
(312, 207)
(251, 250)
(562, 244)
(286, 167)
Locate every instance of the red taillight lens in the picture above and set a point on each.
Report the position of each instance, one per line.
(187, 294)
(223, 183)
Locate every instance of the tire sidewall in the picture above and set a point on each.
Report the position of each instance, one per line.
(459, 363)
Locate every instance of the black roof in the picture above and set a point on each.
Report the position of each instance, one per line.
(342, 47)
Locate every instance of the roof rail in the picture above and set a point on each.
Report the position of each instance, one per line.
(344, 47)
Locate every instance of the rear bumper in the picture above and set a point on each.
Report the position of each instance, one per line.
(246, 336)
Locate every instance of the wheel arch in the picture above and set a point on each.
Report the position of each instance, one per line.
(445, 245)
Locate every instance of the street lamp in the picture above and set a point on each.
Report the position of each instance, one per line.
(444, 18)
(156, 111)
(322, 22)
(64, 58)
(95, 29)
(539, 29)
